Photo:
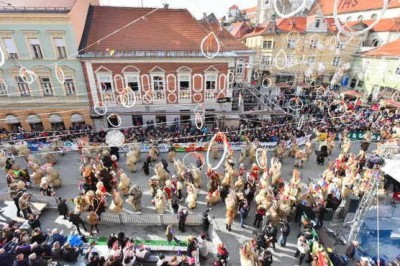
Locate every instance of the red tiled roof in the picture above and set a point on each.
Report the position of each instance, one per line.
(385, 24)
(389, 49)
(38, 3)
(350, 6)
(239, 29)
(228, 42)
(250, 10)
(295, 23)
(258, 30)
(163, 30)
(234, 7)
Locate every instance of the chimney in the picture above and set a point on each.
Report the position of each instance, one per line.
(166, 5)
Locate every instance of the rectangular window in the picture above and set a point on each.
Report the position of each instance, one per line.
(239, 68)
(46, 86)
(23, 87)
(268, 45)
(3, 89)
(266, 60)
(313, 44)
(291, 44)
(36, 49)
(336, 61)
(211, 82)
(60, 46)
(10, 48)
(184, 82)
(339, 45)
(69, 86)
(105, 83)
(132, 81)
(158, 83)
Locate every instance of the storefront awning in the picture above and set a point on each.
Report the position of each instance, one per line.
(33, 119)
(391, 103)
(352, 93)
(77, 118)
(54, 118)
(12, 119)
(391, 168)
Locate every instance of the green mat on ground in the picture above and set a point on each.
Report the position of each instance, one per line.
(102, 241)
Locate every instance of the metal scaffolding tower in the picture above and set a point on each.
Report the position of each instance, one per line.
(365, 204)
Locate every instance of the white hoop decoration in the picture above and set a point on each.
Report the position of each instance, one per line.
(60, 76)
(296, 104)
(115, 138)
(122, 80)
(336, 103)
(356, 33)
(209, 39)
(169, 99)
(283, 53)
(396, 96)
(2, 57)
(264, 157)
(268, 84)
(320, 91)
(25, 73)
(119, 120)
(300, 123)
(346, 41)
(225, 150)
(100, 109)
(198, 119)
(200, 97)
(308, 80)
(126, 98)
(279, 13)
(200, 109)
(256, 74)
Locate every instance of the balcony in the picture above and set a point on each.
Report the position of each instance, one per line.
(159, 97)
(209, 95)
(185, 96)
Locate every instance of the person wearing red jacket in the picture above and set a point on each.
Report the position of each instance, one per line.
(260, 212)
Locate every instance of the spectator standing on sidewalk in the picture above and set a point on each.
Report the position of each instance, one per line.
(243, 212)
(285, 231)
(182, 215)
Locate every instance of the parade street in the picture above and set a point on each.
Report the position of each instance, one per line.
(68, 166)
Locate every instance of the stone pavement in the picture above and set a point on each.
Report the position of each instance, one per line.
(68, 166)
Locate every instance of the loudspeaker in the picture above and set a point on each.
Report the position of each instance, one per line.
(352, 204)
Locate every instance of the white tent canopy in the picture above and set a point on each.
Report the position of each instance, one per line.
(33, 119)
(54, 118)
(392, 168)
(77, 118)
(12, 119)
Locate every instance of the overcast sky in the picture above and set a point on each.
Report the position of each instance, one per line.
(196, 7)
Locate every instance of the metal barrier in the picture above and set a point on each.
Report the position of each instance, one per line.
(122, 218)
